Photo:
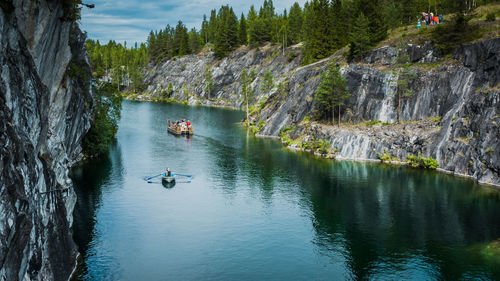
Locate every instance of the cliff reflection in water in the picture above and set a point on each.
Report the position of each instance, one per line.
(255, 211)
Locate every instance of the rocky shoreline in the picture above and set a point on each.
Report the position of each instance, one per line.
(456, 100)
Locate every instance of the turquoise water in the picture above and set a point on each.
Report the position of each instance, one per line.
(255, 211)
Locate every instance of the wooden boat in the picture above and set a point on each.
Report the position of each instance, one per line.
(180, 128)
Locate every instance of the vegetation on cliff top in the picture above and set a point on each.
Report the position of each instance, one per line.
(324, 26)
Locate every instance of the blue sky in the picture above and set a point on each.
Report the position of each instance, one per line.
(131, 20)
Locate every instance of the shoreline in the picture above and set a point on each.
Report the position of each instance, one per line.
(396, 163)
(328, 156)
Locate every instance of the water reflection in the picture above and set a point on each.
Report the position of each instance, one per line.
(257, 211)
(90, 181)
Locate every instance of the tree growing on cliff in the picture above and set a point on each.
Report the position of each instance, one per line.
(267, 82)
(209, 83)
(331, 92)
(246, 91)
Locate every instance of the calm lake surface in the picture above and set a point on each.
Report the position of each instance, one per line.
(255, 211)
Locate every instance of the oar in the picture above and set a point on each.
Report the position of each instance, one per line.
(187, 176)
(153, 177)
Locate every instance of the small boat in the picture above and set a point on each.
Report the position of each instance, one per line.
(181, 127)
(167, 179)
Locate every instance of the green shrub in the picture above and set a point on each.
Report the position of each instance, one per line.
(286, 129)
(490, 150)
(421, 162)
(105, 117)
(386, 157)
(322, 146)
(491, 17)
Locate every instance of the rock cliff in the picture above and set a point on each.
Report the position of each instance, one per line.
(45, 104)
(461, 94)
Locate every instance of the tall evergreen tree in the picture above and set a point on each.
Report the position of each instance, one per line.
(359, 39)
(227, 32)
(204, 30)
(242, 31)
(212, 26)
(295, 20)
(194, 41)
(318, 31)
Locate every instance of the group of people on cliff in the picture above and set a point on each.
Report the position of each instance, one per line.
(429, 19)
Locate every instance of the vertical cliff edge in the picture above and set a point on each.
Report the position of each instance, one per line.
(45, 106)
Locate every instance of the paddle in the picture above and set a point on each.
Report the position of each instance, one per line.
(146, 179)
(187, 176)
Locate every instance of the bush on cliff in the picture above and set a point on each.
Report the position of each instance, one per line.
(105, 117)
(421, 162)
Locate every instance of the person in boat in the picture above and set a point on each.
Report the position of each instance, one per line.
(168, 173)
(188, 123)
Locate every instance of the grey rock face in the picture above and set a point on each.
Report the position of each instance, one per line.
(464, 92)
(44, 114)
(187, 76)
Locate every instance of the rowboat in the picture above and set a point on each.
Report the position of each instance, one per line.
(167, 179)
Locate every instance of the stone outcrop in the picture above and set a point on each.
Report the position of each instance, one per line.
(462, 93)
(45, 105)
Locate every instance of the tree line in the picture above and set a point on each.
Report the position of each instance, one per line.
(324, 26)
(121, 64)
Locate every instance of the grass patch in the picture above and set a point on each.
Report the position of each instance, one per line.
(376, 122)
(436, 119)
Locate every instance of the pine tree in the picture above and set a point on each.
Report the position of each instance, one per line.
(194, 41)
(212, 26)
(359, 39)
(242, 31)
(246, 91)
(331, 92)
(227, 32)
(252, 21)
(318, 31)
(204, 30)
(295, 20)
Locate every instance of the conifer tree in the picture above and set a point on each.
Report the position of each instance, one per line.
(246, 91)
(242, 31)
(331, 92)
(194, 41)
(212, 26)
(359, 40)
(204, 30)
(295, 20)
